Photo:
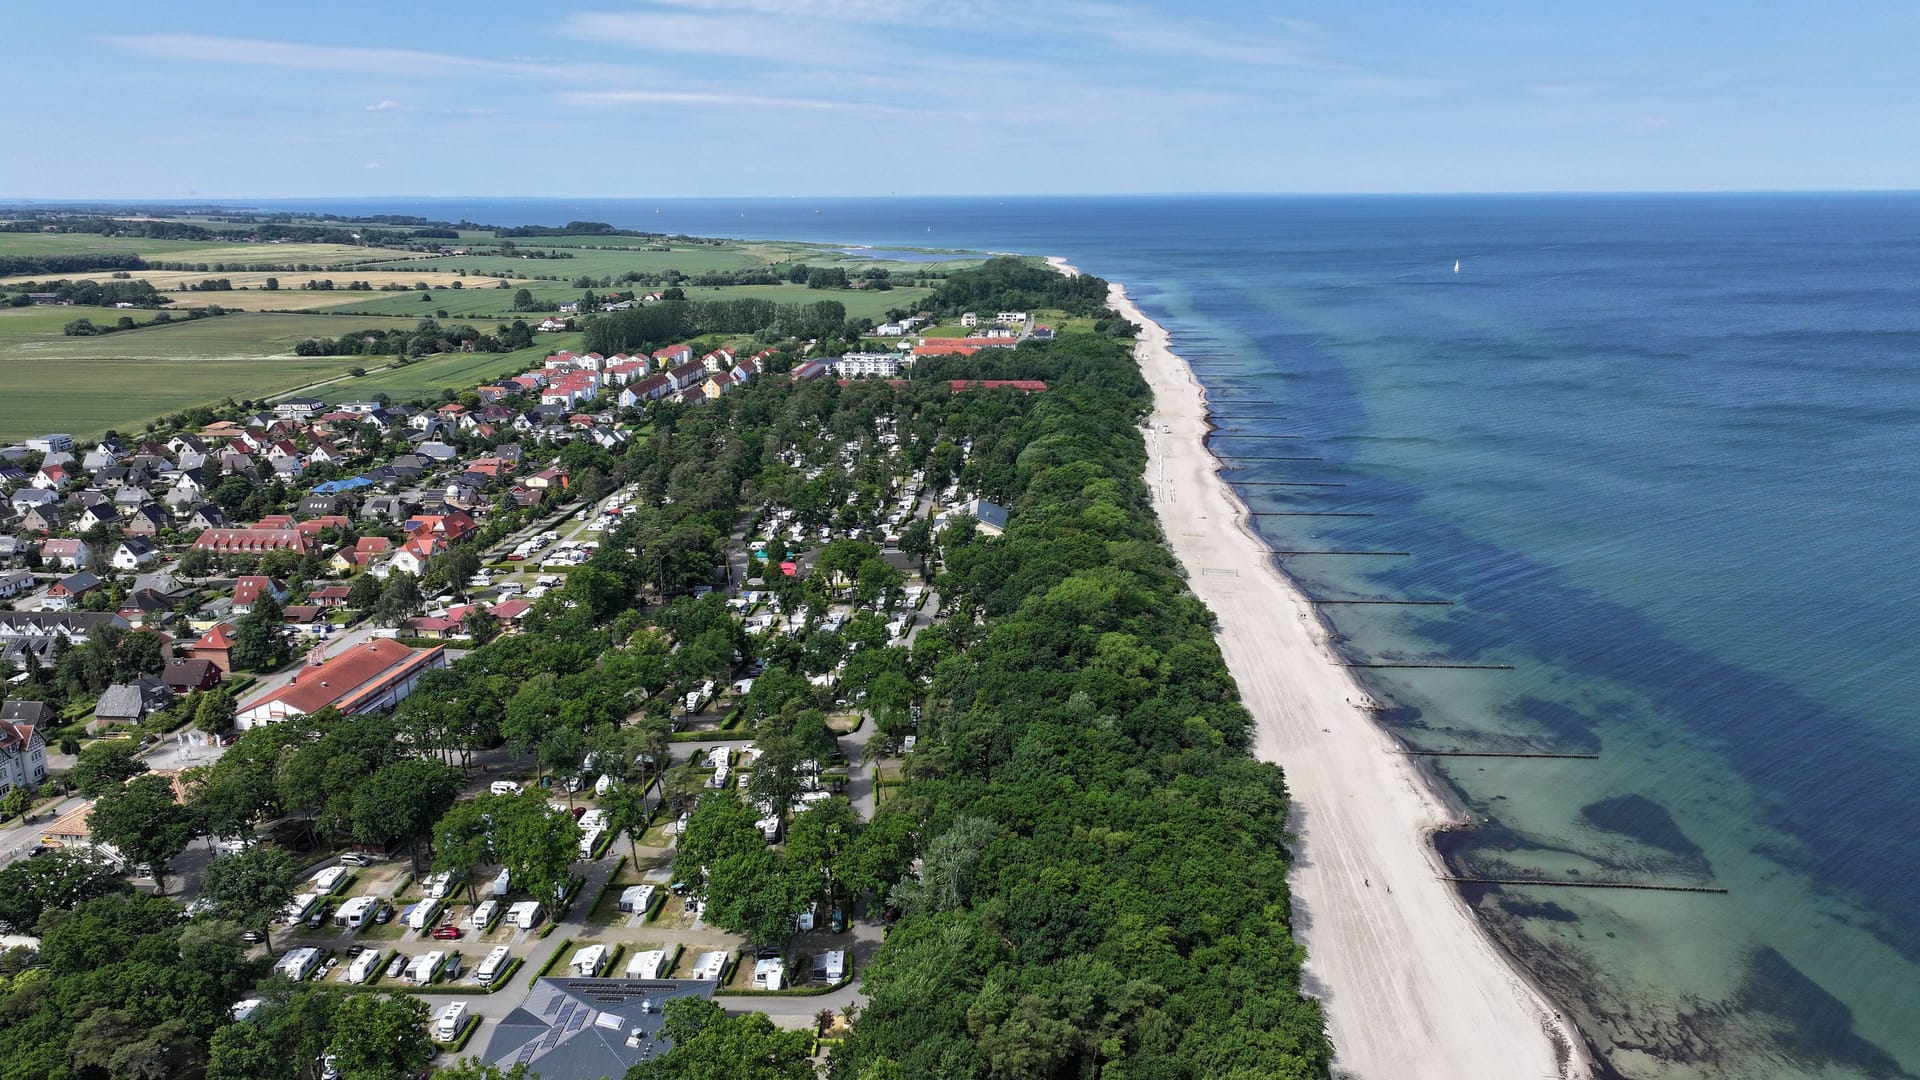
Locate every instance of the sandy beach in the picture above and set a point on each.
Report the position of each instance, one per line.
(1412, 987)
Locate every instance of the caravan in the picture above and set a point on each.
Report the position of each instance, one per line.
(525, 915)
(636, 899)
(298, 909)
(482, 916)
(502, 882)
(364, 966)
(298, 963)
(328, 881)
(424, 968)
(708, 966)
(356, 912)
(439, 886)
(646, 964)
(421, 915)
(586, 962)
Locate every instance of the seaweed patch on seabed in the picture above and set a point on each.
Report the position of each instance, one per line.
(1646, 822)
(1777, 1017)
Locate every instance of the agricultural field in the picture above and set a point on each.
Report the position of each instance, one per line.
(209, 252)
(456, 371)
(860, 303)
(484, 301)
(122, 380)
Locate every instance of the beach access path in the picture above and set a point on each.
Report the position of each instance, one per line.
(1412, 987)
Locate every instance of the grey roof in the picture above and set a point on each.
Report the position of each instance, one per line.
(122, 701)
(990, 514)
(577, 1029)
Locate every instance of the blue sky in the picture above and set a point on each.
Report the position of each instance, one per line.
(873, 97)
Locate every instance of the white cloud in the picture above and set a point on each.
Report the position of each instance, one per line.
(695, 98)
(384, 104)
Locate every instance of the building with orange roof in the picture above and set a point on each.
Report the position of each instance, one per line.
(370, 677)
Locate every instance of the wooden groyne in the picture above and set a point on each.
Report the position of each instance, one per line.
(1231, 433)
(1437, 666)
(1393, 603)
(1325, 551)
(1644, 886)
(1286, 483)
(1502, 754)
(1312, 513)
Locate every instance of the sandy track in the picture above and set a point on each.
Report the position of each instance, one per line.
(1412, 987)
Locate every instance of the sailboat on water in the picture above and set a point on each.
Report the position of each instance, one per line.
(1456, 266)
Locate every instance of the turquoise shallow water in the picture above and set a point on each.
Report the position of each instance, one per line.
(1660, 452)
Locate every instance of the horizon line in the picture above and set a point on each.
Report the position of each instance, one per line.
(70, 200)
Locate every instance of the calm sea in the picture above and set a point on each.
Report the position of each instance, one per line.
(1660, 455)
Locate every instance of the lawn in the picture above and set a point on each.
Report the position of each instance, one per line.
(458, 371)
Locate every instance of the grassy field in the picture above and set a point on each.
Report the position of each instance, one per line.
(468, 302)
(457, 371)
(859, 302)
(49, 382)
(193, 250)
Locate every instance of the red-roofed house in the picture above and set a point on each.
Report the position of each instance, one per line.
(455, 527)
(332, 596)
(510, 612)
(248, 590)
(215, 645)
(414, 555)
(362, 553)
(672, 355)
(251, 541)
(368, 677)
(313, 527)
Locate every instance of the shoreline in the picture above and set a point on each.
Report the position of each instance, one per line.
(1412, 985)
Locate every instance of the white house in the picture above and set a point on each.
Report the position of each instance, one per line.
(134, 552)
(23, 752)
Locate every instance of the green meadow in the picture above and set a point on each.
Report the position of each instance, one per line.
(454, 371)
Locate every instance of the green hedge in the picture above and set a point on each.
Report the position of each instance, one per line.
(459, 1043)
(792, 991)
(607, 885)
(559, 957)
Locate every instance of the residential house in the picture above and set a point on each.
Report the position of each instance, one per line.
(185, 674)
(547, 480)
(206, 516)
(362, 554)
(51, 477)
(63, 594)
(147, 520)
(437, 452)
(29, 497)
(388, 507)
(15, 582)
(331, 596)
(413, 556)
(252, 541)
(298, 408)
(508, 613)
(313, 527)
(51, 444)
(146, 609)
(215, 645)
(66, 554)
(98, 515)
(454, 527)
(992, 517)
(672, 356)
(51, 518)
(133, 553)
(23, 751)
(248, 591)
(126, 704)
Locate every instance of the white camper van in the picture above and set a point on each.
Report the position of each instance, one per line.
(450, 1021)
(493, 965)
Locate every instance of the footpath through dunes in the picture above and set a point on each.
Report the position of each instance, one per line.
(1412, 988)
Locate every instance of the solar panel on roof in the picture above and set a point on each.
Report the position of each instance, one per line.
(553, 1003)
(526, 1053)
(579, 1020)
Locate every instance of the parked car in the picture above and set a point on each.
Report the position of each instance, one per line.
(251, 937)
(837, 922)
(447, 933)
(397, 965)
(354, 858)
(384, 915)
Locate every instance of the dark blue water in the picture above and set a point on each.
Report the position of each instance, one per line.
(1661, 452)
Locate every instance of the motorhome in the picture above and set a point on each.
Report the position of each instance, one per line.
(502, 882)
(438, 886)
(636, 898)
(769, 974)
(450, 1021)
(328, 881)
(493, 965)
(503, 787)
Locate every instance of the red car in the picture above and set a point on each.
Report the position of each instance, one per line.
(447, 933)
